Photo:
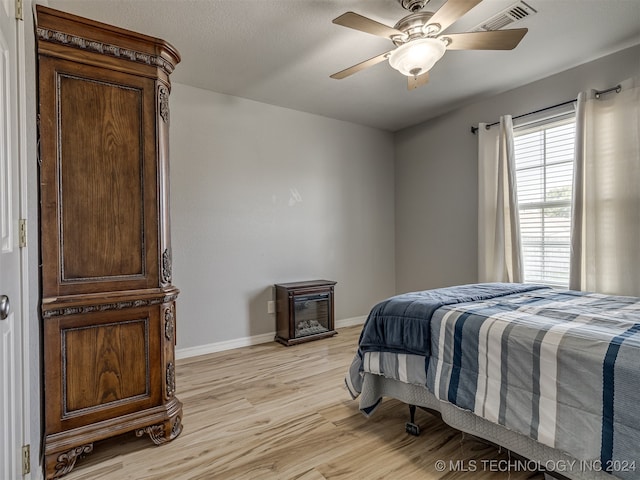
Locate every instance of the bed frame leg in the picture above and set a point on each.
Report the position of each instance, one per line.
(411, 427)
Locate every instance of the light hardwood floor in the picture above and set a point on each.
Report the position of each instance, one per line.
(275, 412)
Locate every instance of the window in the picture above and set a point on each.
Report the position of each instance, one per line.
(544, 153)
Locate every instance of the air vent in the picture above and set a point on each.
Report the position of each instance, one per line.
(514, 13)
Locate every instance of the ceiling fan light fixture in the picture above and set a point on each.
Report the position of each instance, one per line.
(417, 56)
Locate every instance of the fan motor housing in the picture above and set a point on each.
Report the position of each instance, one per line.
(413, 5)
(412, 26)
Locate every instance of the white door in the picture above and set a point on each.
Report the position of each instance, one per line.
(10, 275)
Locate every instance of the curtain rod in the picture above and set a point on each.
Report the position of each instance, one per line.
(597, 94)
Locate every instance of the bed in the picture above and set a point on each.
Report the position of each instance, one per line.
(552, 375)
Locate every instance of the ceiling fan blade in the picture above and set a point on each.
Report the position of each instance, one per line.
(452, 11)
(491, 40)
(361, 66)
(415, 82)
(364, 24)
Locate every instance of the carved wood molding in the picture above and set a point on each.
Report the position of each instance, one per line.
(54, 36)
(103, 307)
(67, 460)
(157, 432)
(166, 266)
(163, 101)
(171, 379)
(177, 428)
(169, 323)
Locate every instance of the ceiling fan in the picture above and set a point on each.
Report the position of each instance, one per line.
(419, 41)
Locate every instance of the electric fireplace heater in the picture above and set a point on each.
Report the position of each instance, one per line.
(304, 311)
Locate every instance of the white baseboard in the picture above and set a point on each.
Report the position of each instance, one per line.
(225, 345)
(248, 341)
(350, 322)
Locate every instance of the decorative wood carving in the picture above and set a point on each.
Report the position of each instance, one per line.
(163, 101)
(166, 266)
(157, 432)
(67, 460)
(104, 307)
(107, 301)
(171, 379)
(169, 323)
(176, 428)
(75, 41)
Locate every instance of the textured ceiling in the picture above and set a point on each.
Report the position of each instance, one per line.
(282, 52)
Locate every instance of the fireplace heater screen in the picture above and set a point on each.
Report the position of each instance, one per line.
(312, 314)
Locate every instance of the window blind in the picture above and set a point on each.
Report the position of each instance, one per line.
(544, 154)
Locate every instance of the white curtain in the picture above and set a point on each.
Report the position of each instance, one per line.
(605, 240)
(499, 251)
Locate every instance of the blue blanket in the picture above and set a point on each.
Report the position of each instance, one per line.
(402, 324)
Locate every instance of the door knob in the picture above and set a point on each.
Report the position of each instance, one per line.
(4, 307)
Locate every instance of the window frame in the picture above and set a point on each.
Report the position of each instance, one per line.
(565, 116)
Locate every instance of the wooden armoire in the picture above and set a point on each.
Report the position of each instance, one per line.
(108, 304)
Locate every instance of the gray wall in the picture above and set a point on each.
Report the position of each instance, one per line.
(262, 195)
(436, 174)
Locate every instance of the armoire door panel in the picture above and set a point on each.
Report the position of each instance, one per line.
(105, 364)
(99, 180)
(101, 365)
(102, 173)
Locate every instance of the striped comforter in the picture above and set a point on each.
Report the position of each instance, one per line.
(561, 367)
